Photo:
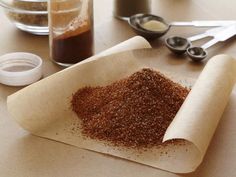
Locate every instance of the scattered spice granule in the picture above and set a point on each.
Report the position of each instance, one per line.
(133, 112)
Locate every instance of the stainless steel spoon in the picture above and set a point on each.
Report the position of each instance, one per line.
(179, 45)
(137, 21)
(200, 53)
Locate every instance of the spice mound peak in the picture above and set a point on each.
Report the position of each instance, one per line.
(133, 112)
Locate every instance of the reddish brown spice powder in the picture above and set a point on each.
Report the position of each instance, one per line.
(133, 112)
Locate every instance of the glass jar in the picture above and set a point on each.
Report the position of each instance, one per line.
(71, 30)
(27, 15)
(123, 9)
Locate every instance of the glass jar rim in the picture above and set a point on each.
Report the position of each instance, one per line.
(13, 9)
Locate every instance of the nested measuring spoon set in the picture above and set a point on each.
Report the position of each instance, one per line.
(152, 27)
(181, 45)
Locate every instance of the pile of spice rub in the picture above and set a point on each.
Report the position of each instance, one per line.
(133, 112)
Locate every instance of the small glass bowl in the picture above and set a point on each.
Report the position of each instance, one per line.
(28, 15)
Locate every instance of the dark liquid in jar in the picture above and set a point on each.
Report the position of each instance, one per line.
(73, 49)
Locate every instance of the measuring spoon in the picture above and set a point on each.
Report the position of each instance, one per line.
(200, 53)
(179, 45)
(137, 23)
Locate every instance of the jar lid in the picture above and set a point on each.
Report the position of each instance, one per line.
(20, 69)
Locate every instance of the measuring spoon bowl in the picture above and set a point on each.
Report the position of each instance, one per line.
(177, 45)
(197, 53)
(136, 22)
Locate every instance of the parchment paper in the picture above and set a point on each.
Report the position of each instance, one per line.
(44, 108)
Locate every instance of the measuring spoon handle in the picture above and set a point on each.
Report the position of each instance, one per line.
(197, 37)
(207, 33)
(204, 23)
(210, 43)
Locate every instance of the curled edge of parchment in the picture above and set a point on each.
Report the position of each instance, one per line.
(195, 123)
